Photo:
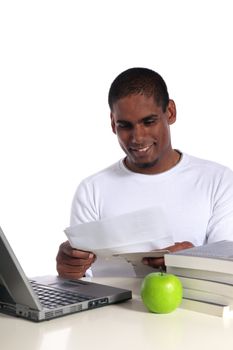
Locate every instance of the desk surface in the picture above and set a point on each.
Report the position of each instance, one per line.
(127, 325)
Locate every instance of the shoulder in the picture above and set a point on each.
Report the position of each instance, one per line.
(110, 173)
(86, 201)
(208, 165)
(208, 170)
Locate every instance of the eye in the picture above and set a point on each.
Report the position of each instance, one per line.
(124, 125)
(150, 121)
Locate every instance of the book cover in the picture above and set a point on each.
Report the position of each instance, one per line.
(201, 274)
(216, 257)
(207, 286)
(220, 310)
(207, 297)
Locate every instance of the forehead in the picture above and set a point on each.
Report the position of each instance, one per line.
(135, 106)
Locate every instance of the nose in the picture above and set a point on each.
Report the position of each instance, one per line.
(138, 134)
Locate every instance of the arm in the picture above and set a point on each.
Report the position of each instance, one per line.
(73, 263)
(220, 226)
(159, 262)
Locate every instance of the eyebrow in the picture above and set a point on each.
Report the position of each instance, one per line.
(153, 116)
(150, 116)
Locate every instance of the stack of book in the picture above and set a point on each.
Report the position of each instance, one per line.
(206, 273)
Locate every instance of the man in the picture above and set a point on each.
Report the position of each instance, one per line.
(196, 195)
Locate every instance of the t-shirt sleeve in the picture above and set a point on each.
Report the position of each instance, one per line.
(220, 225)
(83, 207)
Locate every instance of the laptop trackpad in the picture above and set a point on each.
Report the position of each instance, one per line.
(81, 287)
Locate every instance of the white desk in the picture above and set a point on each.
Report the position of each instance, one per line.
(127, 325)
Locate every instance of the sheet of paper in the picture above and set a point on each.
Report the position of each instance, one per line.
(143, 230)
(138, 256)
(135, 259)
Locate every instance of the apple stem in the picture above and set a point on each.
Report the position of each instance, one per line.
(161, 270)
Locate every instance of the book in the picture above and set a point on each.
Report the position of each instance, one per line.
(201, 295)
(206, 296)
(214, 309)
(207, 286)
(217, 257)
(201, 274)
(206, 273)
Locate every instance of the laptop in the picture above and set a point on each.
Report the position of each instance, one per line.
(48, 297)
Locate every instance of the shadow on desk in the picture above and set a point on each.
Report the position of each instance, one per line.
(134, 304)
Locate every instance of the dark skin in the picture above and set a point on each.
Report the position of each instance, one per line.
(73, 263)
(143, 132)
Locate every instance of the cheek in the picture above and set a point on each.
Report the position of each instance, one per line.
(121, 141)
(122, 136)
(165, 136)
(164, 132)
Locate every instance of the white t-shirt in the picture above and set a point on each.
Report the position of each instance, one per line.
(196, 195)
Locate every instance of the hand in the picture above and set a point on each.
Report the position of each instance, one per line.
(73, 263)
(159, 262)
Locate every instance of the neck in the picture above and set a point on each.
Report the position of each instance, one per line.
(157, 167)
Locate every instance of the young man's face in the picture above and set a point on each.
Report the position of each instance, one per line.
(143, 132)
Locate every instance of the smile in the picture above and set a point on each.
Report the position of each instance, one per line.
(141, 149)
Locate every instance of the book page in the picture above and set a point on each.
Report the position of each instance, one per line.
(217, 250)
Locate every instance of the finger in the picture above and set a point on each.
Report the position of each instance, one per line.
(66, 249)
(180, 245)
(68, 271)
(71, 275)
(71, 268)
(80, 254)
(67, 260)
(154, 262)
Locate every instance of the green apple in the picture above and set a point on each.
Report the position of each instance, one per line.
(161, 292)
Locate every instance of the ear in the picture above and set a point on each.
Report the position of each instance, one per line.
(113, 123)
(171, 112)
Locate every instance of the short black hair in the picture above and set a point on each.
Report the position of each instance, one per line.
(139, 80)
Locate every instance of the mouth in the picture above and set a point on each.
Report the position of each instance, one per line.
(140, 150)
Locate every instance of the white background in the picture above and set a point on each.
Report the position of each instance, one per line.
(57, 61)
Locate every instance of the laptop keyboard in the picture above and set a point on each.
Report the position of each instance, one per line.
(51, 298)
